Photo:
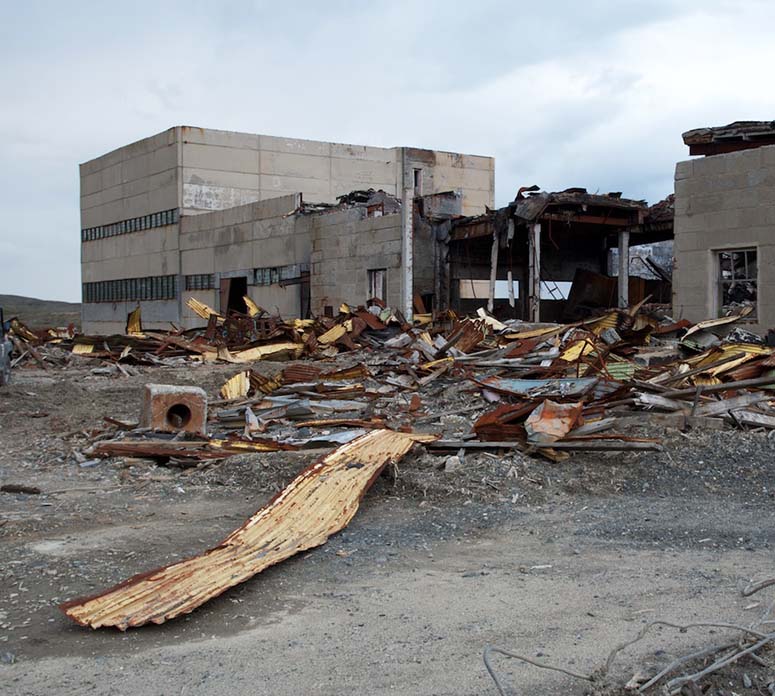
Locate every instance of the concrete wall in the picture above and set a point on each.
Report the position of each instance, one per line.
(131, 181)
(345, 246)
(723, 202)
(472, 175)
(234, 242)
(221, 169)
(135, 180)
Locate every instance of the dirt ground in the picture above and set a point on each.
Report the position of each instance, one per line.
(556, 561)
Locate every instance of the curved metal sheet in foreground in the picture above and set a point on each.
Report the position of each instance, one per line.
(317, 503)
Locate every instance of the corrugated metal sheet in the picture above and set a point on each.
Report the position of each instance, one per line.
(317, 503)
(539, 387)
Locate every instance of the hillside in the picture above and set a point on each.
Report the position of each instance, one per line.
(40, 314)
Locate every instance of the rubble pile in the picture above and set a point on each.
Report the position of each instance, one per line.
(543, 389)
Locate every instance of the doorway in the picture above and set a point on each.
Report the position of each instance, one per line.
(232, 292)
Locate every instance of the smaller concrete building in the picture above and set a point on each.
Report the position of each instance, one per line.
(725, 224)
(293, 258)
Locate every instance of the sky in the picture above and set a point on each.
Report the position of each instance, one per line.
(593, 94)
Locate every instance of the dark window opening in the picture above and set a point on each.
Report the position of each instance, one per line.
(737, 281)
(378, 284)
(418, 182)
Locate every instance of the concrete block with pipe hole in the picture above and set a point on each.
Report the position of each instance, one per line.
(174, 409)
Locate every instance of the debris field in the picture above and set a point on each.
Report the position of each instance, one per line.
(471, 418)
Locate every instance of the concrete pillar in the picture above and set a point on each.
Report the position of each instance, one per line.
(407, 253)
(534, 272)
(624, 268)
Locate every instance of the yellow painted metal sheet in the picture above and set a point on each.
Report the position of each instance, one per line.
(200, 308)
(317, 503)
(253, 309)
(576, 350)
(82, 348)
(333, 334)
(236, 387)
(271, 351)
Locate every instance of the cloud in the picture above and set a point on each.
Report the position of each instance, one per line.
(593, 94)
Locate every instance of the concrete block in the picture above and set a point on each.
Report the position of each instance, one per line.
(270, 143)
(362, 172)
(363, 152)
(173, 409)
(227, 159)
(684, 170)
(295, 165)
(768, 155)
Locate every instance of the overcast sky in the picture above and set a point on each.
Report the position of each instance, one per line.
(593, 93)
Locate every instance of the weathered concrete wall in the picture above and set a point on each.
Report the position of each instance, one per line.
(106, 318)
(472, 175)
(131, 181)
(135, 180)
(234, 242)
(222, 169)
(137, 255)
(723, 202)
(345, 246)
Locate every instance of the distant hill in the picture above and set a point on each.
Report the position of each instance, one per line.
(41, 314)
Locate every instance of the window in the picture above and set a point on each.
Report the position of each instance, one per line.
(165, 217)
(378, 284)
(279, 274)
(132, 289)
(417, 182)
(737, 281)
(200, 281)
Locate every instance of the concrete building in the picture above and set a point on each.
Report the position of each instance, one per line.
(142, 241)
(725, 224)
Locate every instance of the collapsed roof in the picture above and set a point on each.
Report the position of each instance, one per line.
(739, 135)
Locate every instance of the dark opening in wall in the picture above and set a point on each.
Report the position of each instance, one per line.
(236, 290)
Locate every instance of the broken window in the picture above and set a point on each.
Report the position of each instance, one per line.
(165, 217)
(378, 283)
(737, 281)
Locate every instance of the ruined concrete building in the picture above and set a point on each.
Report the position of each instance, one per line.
(217, 215)
(725, 224)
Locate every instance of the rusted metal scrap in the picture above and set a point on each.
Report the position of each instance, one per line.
(316, 504)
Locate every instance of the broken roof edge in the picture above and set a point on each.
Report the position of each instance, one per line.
(532, 206)
(737, 130)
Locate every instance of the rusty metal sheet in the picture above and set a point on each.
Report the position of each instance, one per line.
(317, 503)
(551, 421)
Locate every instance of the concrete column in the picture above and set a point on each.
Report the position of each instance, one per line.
(493, 272)
(407, 253)
(624, 268)
(534, 272)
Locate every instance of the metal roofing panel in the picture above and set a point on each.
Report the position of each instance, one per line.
(317, 503)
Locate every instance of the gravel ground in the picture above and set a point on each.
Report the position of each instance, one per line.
(559, 560)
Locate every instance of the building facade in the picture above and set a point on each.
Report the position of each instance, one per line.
(725, 225)
(141, 241)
